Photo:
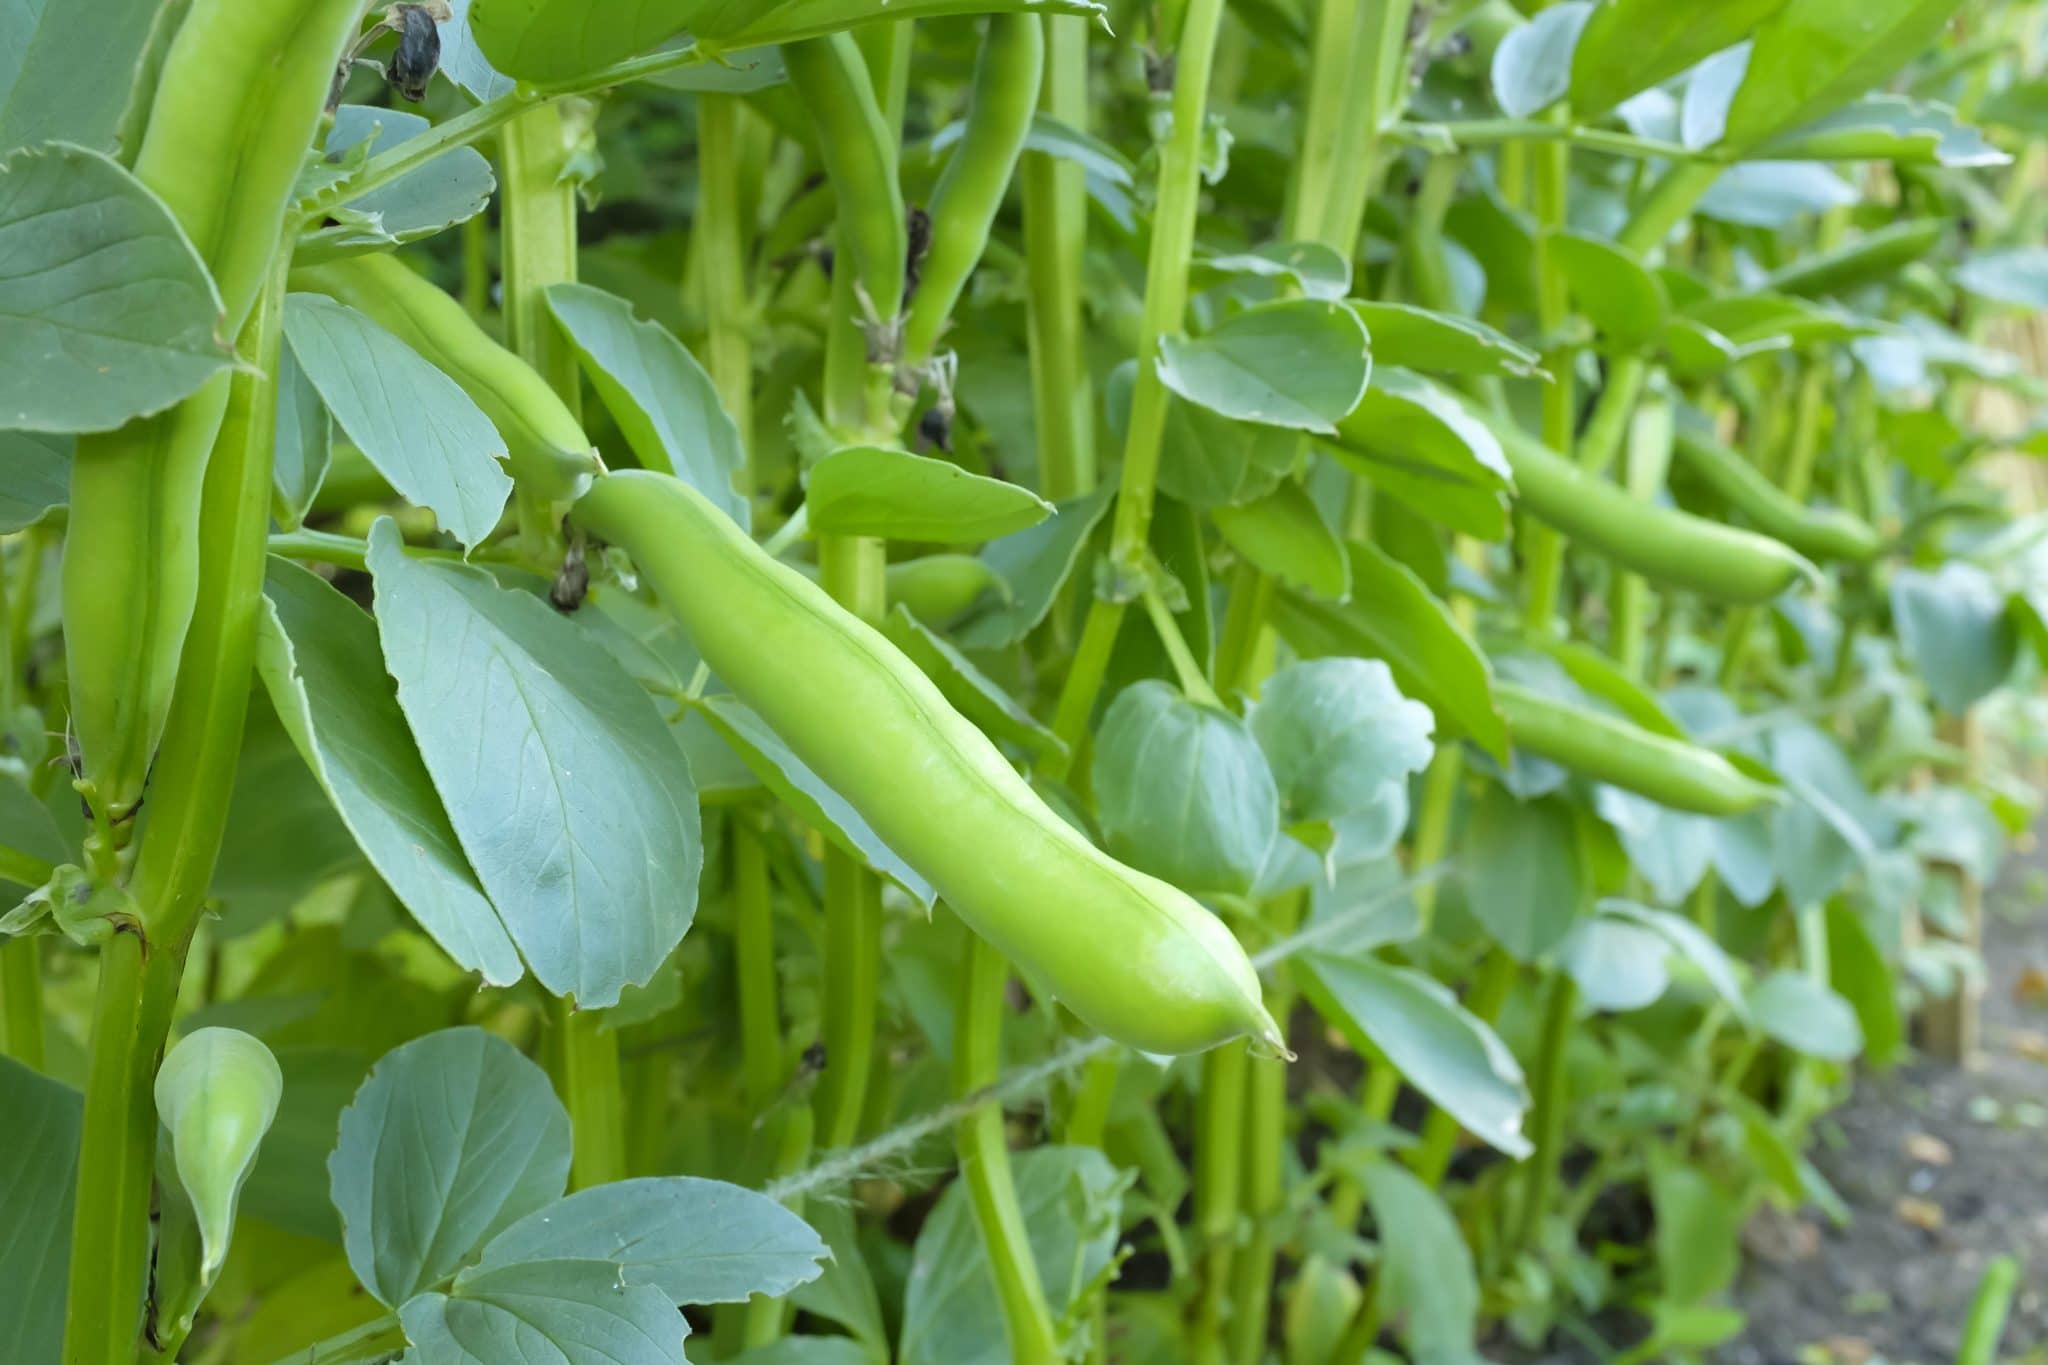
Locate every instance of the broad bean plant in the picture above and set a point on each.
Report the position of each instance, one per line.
(831, 682)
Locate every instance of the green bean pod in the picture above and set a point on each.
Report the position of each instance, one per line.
(1134, 957)
(217, 1092)
(1609, 749)
(970, 192)
(241, 92)
(549, 453)
(1660, 543)
(830, 77)
(943, 590)
(1824, 533)
(1873, 256)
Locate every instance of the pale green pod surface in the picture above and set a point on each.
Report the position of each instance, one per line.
(1137, 959)
(217, 1092)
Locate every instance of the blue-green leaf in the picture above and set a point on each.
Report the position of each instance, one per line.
(665, 404)
(893, 494)
(568, 793)
(453, 1137)
(415, 424)
(110, 312)
(1300, 364)
(318, 656)
(1439, 1048)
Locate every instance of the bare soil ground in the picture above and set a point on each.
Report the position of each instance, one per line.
(1943, 1169)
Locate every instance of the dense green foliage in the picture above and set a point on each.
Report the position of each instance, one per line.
(971, 680)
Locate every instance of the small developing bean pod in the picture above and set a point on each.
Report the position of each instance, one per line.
(217, 1092)
(239, 96)
(545, 445)
(1661, 543)
(1132, 956)
(830, 77)
(970, 192)
(1609, 749)
(1825, 533)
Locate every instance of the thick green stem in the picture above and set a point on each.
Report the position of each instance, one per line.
(1088, 1119)
(1055, 194)
(595, 1099)
(538, 241)
(1551, 1098)
(1219, 1175)
(728, 342)
(142, 964)
(985, 1160)
(1166, 297)
(21, 1000)
(852, 571)
(1382, 47)
(1489, 993)
(1671, 199)
(1543, 551)
(761, 1060)
(537, 198)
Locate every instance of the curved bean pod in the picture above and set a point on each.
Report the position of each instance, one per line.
(546, 446)
(1609, 749)
(1136, 958)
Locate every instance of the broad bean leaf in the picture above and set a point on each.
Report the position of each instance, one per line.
(46, 49)
(1183, 791)
(844, 1291)
(561, 1312)
(414, 423)
(665, 404)
(1439, 1048)
(111, 314)
(1422, 446)
(1301, 364)
(463, 62)
(35, 477)
(1421, 339)
(555, 41)
(569, 795)
(1955, 628)
(451, 188)
(2016, 275)
(1426, 1273)
(305, 444)
(1888, 128)
(804, 792)
(1698, 1223)
(1709, 92)
(1071, 1199)
(1806, 1016)
(870, 491)
(1035, 563)
(1526, 871)
(1391, 616)
(1833, 827)
(1631, 45)
(1774, 194)
(318, 656)
(1339, 735)
(38, 1174)
(972, 692)
(697, 1241)
(1284, 534)
(1532, 67)
(454, 1137)
(1319, 271)
(1859, 974)
(1670, 849)
(1691, 943)
(1205, 459)
(1813, 56)
(1610, 288)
